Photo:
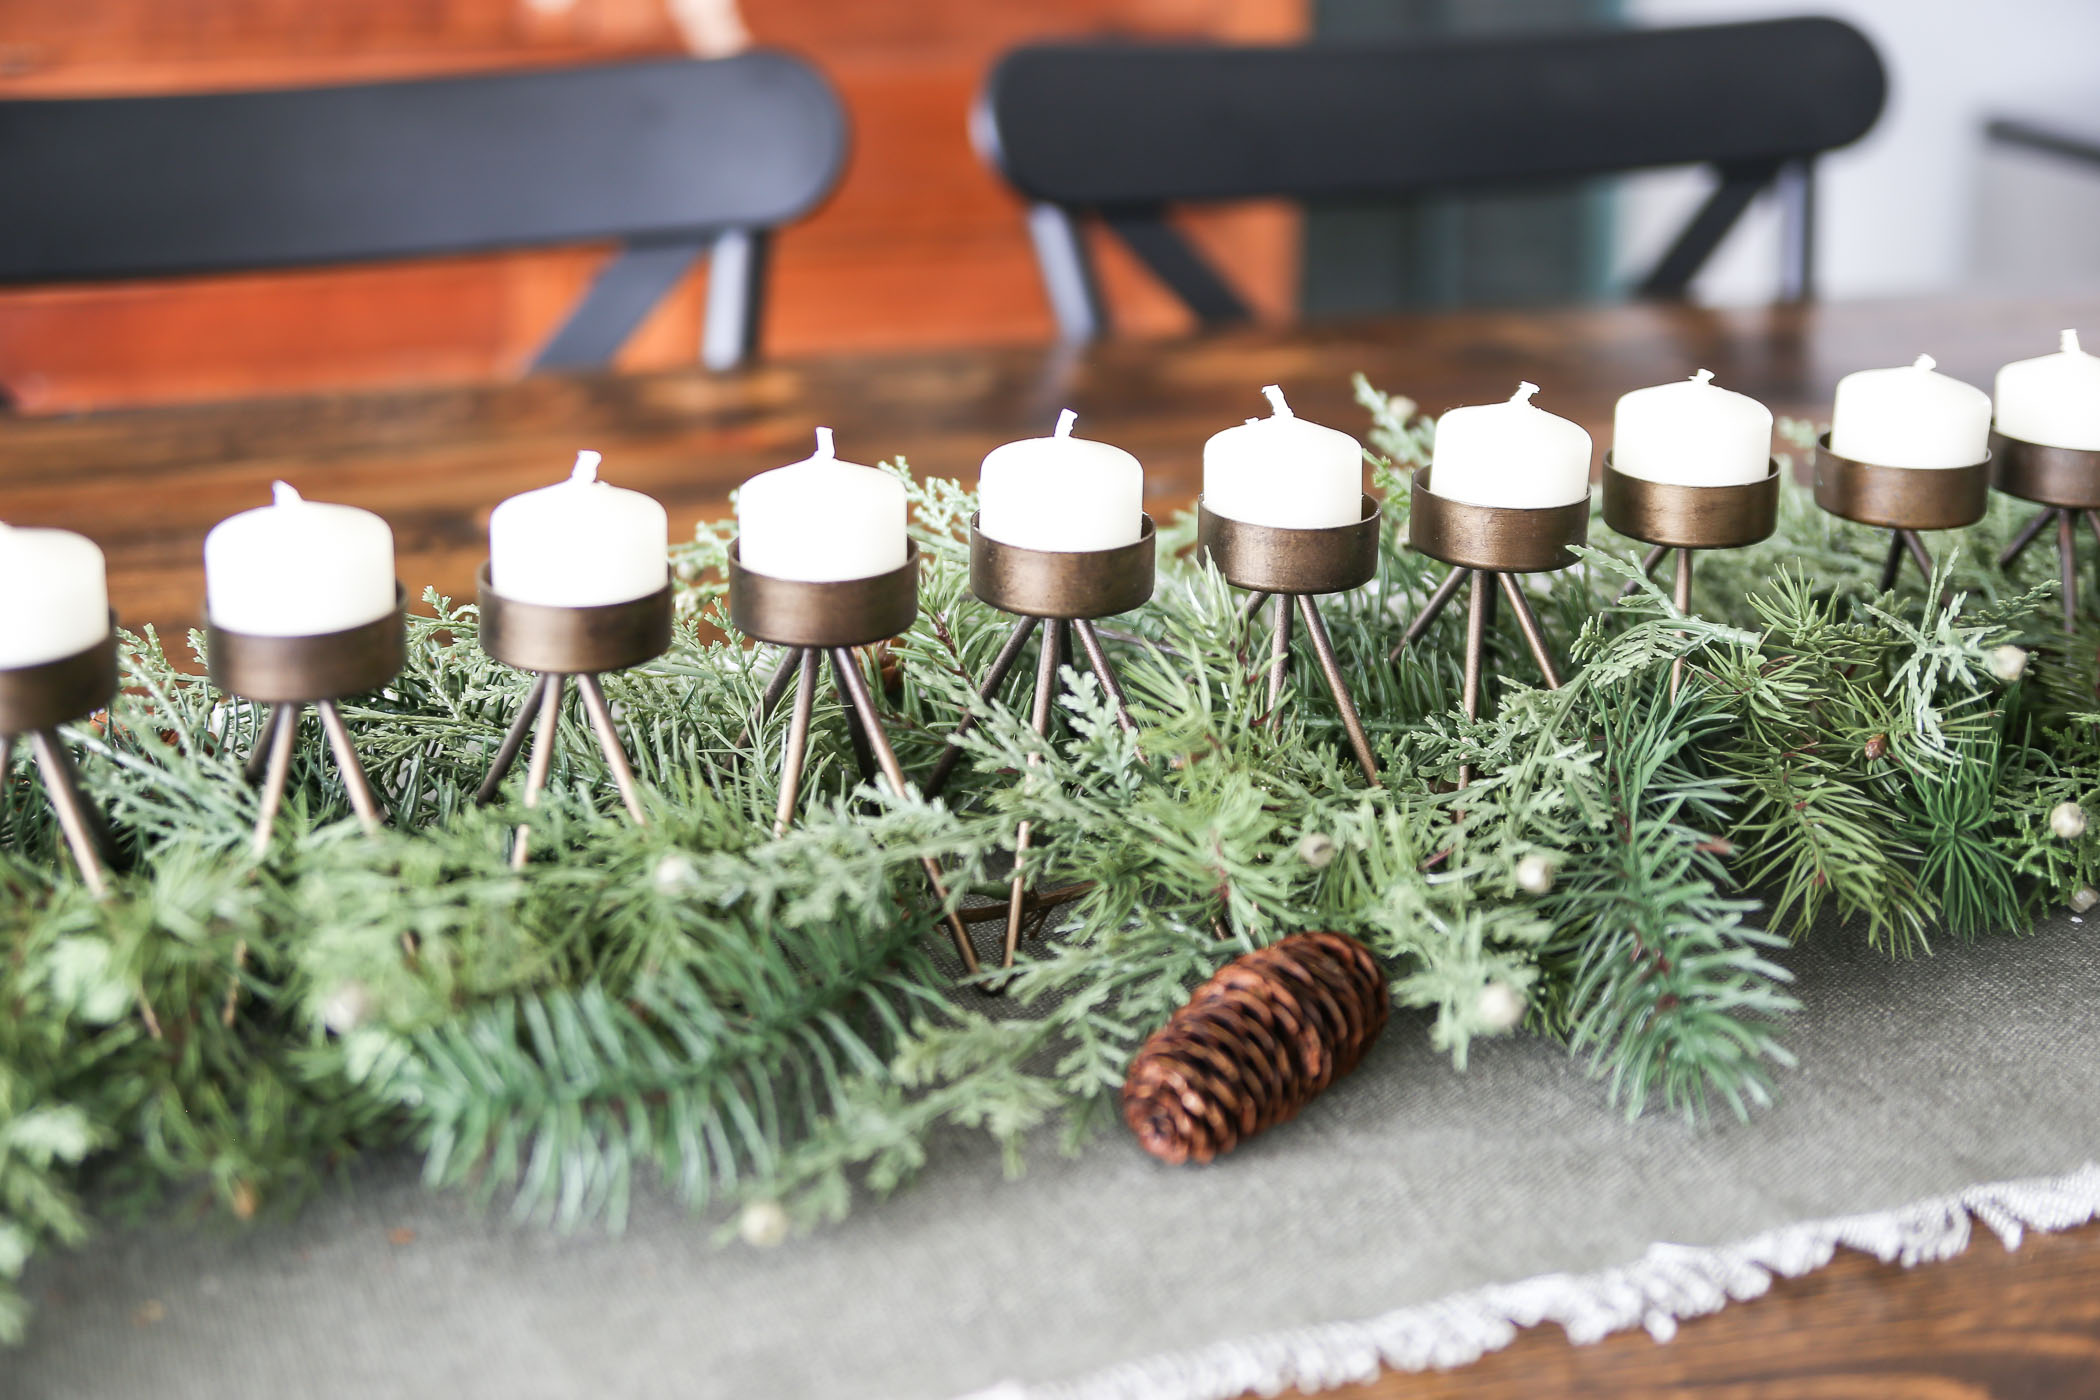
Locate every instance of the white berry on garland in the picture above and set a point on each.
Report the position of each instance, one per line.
(348, 1007)
(1316, 849)
(2008, 663)
(675, 874)
(763, 1224)
(2067, 820)
(1536, 872)
(1499, 1006)
(2084, 898)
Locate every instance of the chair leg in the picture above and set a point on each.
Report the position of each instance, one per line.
(1068, 273)
(736, 277)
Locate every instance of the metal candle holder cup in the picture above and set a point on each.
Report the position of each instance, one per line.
(1488, 544)
(2065, 480)
(1669, 516)
(816, 620)
(554, 644)
(1901, 500)
(1294, 567)
(36, 700)
(289, 673)
(1056, 590)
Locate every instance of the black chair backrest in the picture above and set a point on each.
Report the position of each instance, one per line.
(1124, 128)
(671, 158)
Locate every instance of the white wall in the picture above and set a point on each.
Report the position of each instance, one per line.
(1899, 213)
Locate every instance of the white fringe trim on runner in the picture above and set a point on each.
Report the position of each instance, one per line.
(1666, 1284)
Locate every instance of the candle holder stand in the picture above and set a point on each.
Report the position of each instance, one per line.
(1294, 567)
(1489, 546)
(815, 621)
(1671, 517)
(36, 700)
(1901, 500)
(556, 644)
(2065, 481)
(1060, 592)
(290, 673)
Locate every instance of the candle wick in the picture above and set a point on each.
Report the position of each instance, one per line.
(2069, 343)
(282, 493)
(586, 468)
(1925, 362)
(1274, 394)
(1704, 376)
(1064, 423)
(824, 447)
(1525, 389)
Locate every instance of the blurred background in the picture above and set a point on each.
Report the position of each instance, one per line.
(922, 245)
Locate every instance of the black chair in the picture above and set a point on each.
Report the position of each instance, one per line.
(1121, 130)
(670, 158)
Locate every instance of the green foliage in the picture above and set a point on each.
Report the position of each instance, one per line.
(744, 1018)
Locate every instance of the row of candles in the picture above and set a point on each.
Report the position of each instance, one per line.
(304, 568)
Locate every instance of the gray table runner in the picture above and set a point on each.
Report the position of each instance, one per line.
(1410, 1205)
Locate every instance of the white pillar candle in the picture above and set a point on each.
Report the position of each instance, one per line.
(820, 520)
(1692, 433)
(2053, 400)
(1285, 472)
(298, 568)
(1061, 493)
(1510, 454)
(1911, 416)
(580, 543)
(54, 596)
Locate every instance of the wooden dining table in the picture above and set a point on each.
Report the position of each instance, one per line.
(147, 485)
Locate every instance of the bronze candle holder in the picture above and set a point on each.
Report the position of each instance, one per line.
(1673, 517)
(819, 620)
(2063, 480)
(1488, 545)
(290, 673)
(36, 700)
(1294, 567)
(555, 644)
(1058, 591)
(1901, 500)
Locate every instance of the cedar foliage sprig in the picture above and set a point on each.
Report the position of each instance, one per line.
(739, 1017)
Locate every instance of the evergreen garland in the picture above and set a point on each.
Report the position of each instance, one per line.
(779, 1021)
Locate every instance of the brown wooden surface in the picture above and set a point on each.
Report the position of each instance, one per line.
(147, 485)
(920, 246)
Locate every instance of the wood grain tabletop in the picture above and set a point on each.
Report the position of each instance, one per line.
(147, 485)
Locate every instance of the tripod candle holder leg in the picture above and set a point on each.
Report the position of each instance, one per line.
(2065, 482)
(290, 673)
(1295, 567)
(34, 701)
(556, 644)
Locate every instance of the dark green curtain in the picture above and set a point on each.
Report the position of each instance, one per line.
(1529, 248)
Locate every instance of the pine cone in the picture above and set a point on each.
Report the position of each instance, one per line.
(1253, 1045)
